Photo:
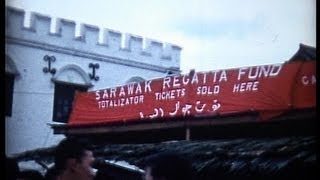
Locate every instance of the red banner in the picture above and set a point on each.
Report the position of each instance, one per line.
(274, 88)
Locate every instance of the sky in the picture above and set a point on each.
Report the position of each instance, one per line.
(213, 34)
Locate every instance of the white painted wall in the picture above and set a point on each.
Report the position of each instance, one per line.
(33, 99)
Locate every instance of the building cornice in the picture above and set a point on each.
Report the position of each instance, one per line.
(84, 54)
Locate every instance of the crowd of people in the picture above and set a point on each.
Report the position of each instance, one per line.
(73, 159)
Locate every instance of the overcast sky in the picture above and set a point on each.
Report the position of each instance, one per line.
(213, 34)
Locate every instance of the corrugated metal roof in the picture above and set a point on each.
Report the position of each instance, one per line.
(277, 157)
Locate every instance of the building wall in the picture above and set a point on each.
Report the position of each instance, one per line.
(33, 94)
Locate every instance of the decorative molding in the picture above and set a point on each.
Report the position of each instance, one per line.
(73, 67)
(67, 33)
(135, 79)
(10, 66)
(84, 54)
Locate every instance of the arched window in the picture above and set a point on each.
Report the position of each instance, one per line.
(11, 73)
(135, 79)
(68, 80)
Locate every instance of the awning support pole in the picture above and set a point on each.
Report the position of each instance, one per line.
(188, 134)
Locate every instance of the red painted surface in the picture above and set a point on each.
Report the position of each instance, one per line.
(268, 89)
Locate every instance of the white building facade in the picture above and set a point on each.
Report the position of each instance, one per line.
(49, 59)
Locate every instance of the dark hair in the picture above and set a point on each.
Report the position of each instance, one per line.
(69, 148)
(12, 168)
(170, 166)
(103, 174)
(51, 174)
(31, 175)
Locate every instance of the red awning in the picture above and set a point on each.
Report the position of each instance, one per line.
(267, 89)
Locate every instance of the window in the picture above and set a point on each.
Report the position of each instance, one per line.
(9, 93)
(135, 79)
(63, 99)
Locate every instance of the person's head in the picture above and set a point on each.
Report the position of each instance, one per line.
(12, 168)
(74, 156)
(30, 175)
(103, 174)
(167, 166)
